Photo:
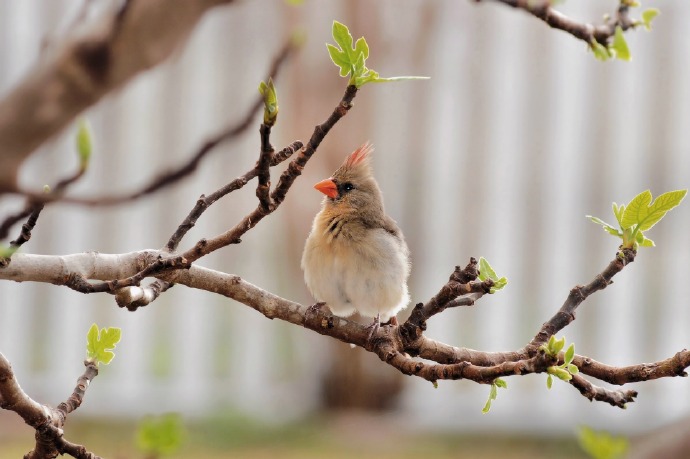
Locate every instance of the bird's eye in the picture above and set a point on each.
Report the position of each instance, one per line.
(347, 186)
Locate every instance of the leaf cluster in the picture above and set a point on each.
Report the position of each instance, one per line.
(567, 369)
(640, 215)
(351, 58)
(618, 48)
(487, 272)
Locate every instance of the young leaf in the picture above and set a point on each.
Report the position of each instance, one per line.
(342, 36)
(647, 16)
(100, 344)
(636, 210)
(558, 346)
(620, 45)
(362, 48)
(608, 228)
(340, 59)
(268, 91)
(569, 354)
(600, 51)
(643, 241)
(487, 406)
(501, 383)
(485, 270)
(661, 205)
(549, 381)
(84, 145)
(573, 369)
(352, 60)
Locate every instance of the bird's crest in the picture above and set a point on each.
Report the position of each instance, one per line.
(360, 155)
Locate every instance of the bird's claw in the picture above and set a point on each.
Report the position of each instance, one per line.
(314, 308)
(374, 327)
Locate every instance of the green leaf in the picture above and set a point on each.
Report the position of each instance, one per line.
(608, 228)
(644, 213)
(340, 59)
(435, 384)
(362, 48)
(620, 46)
(661, 205)
(558, 346)
(636, 210)
(549, 381)
(485, 270)
(501, 383)
(487, 406)
(569, 354)
(647, 16)
(84, 144)
(342, 36)
(268, 91)
(600, 51)
(352, 60)
(602, 445)
(618, 212)
(162, 435)
(560, 373)
(573, 369)
(551, 343)
(498, 285)
(99, 344)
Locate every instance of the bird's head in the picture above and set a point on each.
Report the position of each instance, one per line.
(352, 185)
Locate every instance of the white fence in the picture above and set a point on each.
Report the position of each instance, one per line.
(518, 135)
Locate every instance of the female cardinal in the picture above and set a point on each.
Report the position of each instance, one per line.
(355, 258)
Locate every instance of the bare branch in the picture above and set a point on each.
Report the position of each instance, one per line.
(543, 10)
(103, 56)
(204, 202)
(232, 236)
(47, 421)
(578, 294)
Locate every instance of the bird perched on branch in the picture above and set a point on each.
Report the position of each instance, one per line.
(355, 258)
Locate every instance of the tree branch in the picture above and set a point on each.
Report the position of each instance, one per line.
(87, 66)
(586, 32)
(47, 422)
(396, 345)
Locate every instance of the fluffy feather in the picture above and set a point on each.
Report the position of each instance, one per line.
(355, 258)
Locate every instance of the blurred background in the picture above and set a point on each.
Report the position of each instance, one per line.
(518, 135)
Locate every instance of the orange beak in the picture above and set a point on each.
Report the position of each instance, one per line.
(328, 188)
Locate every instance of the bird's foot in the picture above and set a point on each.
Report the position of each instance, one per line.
(374, 327)
(314, 308)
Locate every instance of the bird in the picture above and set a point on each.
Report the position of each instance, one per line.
(355, 258)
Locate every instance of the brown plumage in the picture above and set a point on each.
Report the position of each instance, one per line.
(355, 258)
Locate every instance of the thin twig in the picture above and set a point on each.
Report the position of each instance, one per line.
(294, 170)
(32, 210)
(578, 294)
(263, 188)
(584, 31)
(168, 178)
(204, 202)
